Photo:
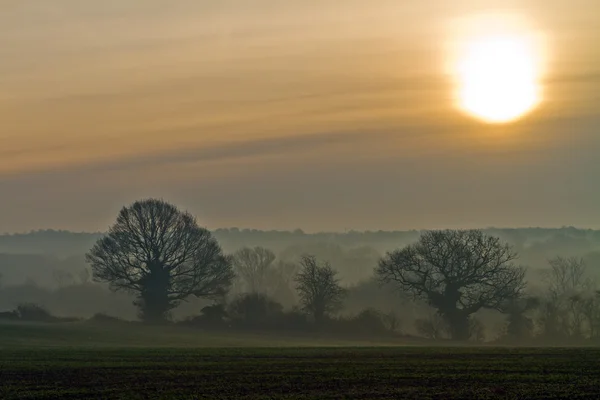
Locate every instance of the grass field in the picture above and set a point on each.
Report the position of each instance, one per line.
(63, 362)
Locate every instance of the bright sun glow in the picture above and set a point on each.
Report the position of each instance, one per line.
(497, 75)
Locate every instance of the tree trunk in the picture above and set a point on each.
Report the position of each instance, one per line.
(154, 298)
(319, 315)
(458, 322)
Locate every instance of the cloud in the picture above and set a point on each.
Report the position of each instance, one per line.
(258, 148)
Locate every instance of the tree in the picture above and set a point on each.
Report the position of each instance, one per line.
(161, 255)
(564, 311)
(318, 288)
(253, 265)
(458, 272)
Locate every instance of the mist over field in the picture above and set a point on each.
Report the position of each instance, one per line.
(48, 268)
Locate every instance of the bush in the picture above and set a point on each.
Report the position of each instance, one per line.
(212, 317)
(254, 310)
(368, 321)
(433, 327)
(9, 316)
(294, 320)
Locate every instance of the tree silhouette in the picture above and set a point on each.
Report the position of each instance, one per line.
(253, 265)
(160, 254)
(318, 288)
(458, 272)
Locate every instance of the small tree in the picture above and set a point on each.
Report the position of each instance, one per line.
(318, 288)
(563, 312)
(433, 327)
(392, 321)
(253, 265)
(161, 255)
(456, 272)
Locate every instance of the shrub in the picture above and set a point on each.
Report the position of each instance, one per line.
(368, 321)
(433, 327)
(294, 320)
(212, 317)
(254, 310)
(9, 316)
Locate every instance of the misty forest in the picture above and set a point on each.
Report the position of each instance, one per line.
(156, 265)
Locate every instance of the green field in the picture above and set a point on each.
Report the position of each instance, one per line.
(63, 361)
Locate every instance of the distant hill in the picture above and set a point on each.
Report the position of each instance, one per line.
(66, 243)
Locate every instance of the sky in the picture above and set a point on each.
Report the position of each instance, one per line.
(315, 114)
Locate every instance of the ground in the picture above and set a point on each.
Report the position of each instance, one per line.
(48, 362)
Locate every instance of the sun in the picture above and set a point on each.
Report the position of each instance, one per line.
(497, 75)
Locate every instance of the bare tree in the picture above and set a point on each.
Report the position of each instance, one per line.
(280, 282)
(253, 266)
(318, 288)
(457, 272)
(392, 321)
(567, 276)
(160, 254)
(564, 311)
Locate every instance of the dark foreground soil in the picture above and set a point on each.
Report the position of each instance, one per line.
(301, 373)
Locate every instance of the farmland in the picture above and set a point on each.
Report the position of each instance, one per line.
(62, 362)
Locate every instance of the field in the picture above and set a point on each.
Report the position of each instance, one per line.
(64, 362)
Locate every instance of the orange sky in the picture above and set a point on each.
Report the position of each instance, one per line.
(269, 114)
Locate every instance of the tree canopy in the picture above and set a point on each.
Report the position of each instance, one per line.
(318, 288)
(160, 254)
(458, 272)
(253, 265)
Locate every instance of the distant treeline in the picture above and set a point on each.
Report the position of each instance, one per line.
(65, 243)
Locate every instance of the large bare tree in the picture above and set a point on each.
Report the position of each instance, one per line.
(161, 255)
(458, 272)
(253, 265)
(319, 288)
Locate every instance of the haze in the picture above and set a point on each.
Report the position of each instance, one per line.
(278, 115)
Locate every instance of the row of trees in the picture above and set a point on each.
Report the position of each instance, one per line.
(163, 257)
